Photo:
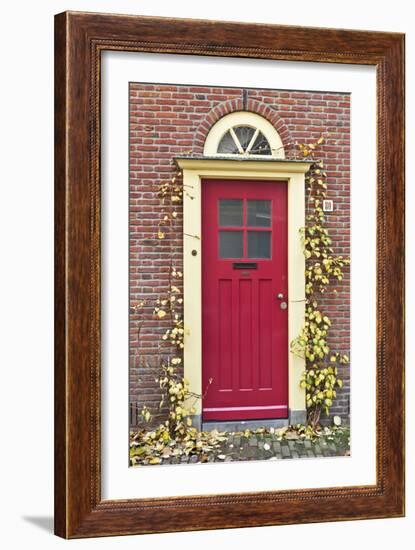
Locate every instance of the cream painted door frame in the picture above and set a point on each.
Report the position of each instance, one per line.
(196, 169)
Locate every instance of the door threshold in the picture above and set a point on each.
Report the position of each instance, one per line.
(241, 425)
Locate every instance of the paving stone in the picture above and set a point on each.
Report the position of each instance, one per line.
(302, 451)
(239, 448)
(317, 450)
(276, 446)
(251, 452)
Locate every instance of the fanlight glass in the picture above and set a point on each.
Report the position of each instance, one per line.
(244, 140)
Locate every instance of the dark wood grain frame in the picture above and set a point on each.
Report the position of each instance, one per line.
(79, 40)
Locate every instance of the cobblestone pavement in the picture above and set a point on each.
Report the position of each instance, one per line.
(267, 447)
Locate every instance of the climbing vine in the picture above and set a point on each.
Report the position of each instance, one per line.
(169, 307)
(323, 268)
(176, 436)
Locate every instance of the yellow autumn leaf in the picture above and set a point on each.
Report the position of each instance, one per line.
(161, 314)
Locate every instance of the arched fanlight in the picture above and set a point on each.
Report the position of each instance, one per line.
(243, 133)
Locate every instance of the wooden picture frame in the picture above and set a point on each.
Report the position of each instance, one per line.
(79, 40)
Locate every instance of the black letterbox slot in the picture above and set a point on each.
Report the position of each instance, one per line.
(245, 265)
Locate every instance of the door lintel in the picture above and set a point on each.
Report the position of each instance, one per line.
(248, 163)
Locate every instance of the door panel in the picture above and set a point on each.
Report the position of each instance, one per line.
(244, 328)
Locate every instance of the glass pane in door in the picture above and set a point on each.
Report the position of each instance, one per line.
(259, 244)
(231, 244)
(259, 213)
(230, 213)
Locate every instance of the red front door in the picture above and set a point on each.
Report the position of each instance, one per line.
(244, 319)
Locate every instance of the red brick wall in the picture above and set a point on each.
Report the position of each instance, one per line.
(169, 120)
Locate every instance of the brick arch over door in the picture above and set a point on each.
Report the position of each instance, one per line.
(233, 105)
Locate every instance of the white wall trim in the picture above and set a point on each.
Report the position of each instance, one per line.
(194, 170)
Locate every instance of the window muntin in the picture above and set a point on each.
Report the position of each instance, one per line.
(244, 135)
(245, 229)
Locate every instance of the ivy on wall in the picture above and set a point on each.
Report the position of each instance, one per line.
(177, 436)
(323, 268)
